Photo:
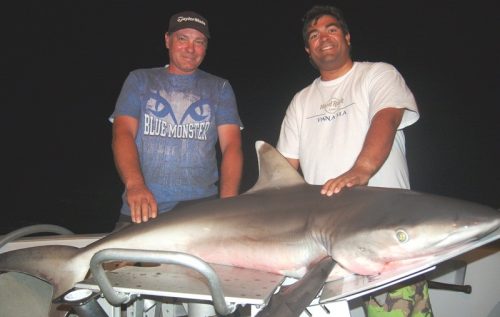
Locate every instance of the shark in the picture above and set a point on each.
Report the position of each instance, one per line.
(284, 225)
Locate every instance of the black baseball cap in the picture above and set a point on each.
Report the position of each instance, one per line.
(188, 19)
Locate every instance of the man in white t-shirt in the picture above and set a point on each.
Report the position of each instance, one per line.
(345, 129)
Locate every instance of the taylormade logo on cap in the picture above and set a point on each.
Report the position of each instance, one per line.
(188, 19)
(184, 19)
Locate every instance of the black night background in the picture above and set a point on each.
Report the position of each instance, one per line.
(65, 62)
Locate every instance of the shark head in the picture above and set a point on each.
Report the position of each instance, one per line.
(426, 228)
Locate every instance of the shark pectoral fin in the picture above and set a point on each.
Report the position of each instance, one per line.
(293, 299)
(274, 169)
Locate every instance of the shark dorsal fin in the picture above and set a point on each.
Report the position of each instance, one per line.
(274, 169)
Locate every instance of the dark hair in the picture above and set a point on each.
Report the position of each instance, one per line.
(317, 12)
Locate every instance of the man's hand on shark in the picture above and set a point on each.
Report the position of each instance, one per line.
(351, 178)
(142, 203)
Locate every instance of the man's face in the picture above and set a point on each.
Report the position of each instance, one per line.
(186, 49)
(328, 46)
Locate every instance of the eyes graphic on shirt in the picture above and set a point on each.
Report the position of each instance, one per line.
(198, 111)
(161, 108)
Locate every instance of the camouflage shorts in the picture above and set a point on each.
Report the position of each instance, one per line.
(408, 301)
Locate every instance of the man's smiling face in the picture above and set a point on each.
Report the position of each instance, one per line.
(327, 44)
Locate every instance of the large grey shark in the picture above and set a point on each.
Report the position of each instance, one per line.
(285, 226)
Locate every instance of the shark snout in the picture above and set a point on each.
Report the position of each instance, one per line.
(469, 232)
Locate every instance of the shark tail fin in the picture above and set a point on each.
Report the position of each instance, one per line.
(55, 264)
(274, 169)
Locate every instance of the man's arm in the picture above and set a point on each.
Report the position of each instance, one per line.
(376, 148)
(140, 200)
(232, 159)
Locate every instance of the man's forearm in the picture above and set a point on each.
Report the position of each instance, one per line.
(379, 140)
(231, 171)
(126, 159)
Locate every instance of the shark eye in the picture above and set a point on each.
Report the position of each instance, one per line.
(401, 235)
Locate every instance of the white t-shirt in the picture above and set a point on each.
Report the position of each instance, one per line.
(326, 123)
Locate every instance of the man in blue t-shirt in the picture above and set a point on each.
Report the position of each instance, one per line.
(166, 125)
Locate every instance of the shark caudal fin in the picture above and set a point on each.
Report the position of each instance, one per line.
(56, 264)
(274, 169)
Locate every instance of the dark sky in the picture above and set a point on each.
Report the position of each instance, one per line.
(65, 62)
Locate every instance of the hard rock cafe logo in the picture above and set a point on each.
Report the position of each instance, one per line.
(333, 105)
(331, 110)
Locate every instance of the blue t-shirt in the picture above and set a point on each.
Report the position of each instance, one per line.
(178, 117)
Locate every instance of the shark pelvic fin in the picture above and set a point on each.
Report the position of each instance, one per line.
(274, 169)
